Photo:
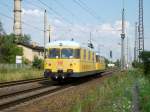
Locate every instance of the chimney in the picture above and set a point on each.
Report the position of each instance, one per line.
(17, 18)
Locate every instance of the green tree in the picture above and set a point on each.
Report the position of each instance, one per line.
(9, 49)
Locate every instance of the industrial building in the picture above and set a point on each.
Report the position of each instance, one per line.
(32, 50)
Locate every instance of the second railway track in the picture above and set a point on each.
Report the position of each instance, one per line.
(12, 100)
(12, 83)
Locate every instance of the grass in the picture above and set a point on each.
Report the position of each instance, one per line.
(113, 95)
(19, 74)
(144, 94)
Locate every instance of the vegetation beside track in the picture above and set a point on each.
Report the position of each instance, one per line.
(115, 94)
(19, 74)
(144, 92)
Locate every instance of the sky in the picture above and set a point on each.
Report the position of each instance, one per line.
(77, 18)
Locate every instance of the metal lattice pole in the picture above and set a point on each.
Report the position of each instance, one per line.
(141, 27)
(136, 43)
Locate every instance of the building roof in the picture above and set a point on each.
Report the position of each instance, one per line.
(33, 47)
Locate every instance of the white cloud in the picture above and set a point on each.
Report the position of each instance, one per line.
(32, 12)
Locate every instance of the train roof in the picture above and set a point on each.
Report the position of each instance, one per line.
(66, 43)
(63, 43)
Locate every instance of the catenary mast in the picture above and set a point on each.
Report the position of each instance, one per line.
(141, 27)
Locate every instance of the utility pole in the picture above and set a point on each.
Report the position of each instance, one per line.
(90, 45)
(127, 61)
(90, 37)
(122, 43)
(17, 28)
(49, 34)
(141, 27)
(45, 29)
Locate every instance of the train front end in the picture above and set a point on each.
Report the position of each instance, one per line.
(62, 61)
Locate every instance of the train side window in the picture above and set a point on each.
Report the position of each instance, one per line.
(92, 56)
(97, 58)
(84, 54)
(77, 53)
(89, 55)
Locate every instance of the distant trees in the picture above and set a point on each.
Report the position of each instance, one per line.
(117, 63)
(24, 39)
(2, 32)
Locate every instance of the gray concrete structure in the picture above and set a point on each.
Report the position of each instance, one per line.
(17, 18)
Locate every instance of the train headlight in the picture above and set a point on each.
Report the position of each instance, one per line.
(70, 71)
(48, 70)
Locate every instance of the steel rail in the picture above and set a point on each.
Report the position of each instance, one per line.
(12, 83)
(7, 102)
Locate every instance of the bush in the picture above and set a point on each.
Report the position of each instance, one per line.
(137, 64)
(26, 61)
(145, 57)
(9, 49)
(37, 63)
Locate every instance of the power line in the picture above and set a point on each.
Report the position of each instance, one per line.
(85, 9)
(55, 12)
(67, 10)
(11, 18)
(27, 24)
(50, 11)
(90, 9)
(5, 5)
(33, 4)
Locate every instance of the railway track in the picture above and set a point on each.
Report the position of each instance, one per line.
(12, 83)
(17, 98)
(12, 99)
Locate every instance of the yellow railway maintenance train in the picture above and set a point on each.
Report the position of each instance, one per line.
(70, 59)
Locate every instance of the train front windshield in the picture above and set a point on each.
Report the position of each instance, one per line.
(64, 53)
(67, 53)
(54, 53)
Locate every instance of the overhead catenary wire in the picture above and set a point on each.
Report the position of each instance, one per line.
(63, 7)
(54, 11)
(41, 8)
(68, 11)
(90, 9)
(86, 9)
(11, 18)
(6, 6)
